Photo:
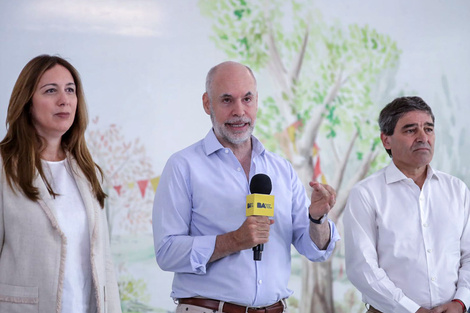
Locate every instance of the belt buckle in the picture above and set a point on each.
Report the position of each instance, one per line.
(257, 309)
(265, 309)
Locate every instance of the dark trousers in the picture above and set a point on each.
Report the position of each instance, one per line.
(373, 310)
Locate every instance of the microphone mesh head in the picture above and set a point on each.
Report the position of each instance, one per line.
(261, 184)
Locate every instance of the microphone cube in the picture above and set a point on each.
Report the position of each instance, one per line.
(259, 204)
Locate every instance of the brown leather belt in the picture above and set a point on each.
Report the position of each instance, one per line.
(277, 307)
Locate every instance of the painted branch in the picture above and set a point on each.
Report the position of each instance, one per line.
(360, 174)
(300, 58)
(313, 125)
(341, 169)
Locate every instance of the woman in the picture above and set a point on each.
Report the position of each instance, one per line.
(54, 246)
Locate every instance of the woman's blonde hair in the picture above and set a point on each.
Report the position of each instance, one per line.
(22, 146)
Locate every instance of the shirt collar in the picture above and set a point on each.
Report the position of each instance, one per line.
(212, 144)
(393, 174)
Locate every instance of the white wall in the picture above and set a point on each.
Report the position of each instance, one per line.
(143, 63)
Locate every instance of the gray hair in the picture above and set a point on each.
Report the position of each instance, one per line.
(213, 70)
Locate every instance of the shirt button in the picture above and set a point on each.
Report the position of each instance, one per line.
(429, 250)
(260, 282)
(239, 169)
(226, 150)
(433, 278)
(425, 225)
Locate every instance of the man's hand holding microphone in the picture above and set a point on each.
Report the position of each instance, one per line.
(254, 232)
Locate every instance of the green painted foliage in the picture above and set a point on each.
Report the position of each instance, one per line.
(133, 294)
(260, 33)
(328, 78)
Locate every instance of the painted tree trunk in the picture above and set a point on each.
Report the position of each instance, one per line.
(317, 288)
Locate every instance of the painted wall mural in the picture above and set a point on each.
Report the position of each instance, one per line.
(130, 185)
(327, 79)
(324, 70)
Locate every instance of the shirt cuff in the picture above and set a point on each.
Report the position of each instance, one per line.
(334, 237)
(463, 294)
(322, 255)
(201, 252)
(406, 305)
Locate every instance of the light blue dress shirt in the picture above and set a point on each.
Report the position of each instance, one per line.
(201, 194)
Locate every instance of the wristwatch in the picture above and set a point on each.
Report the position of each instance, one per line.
(319, 221)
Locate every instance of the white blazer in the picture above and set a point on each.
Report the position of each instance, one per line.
(33, 250)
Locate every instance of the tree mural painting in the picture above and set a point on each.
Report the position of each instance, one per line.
(128, 176)
(451, 134)
(130, 184)
(327, 81)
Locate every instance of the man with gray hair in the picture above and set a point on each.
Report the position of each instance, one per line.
(405, 227)
(201, 232)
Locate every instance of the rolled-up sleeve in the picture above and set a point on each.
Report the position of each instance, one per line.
(176, 249)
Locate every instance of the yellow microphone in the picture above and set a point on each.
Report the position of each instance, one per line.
(260, 202)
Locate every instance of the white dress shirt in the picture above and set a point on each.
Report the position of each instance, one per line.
(408, 247)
